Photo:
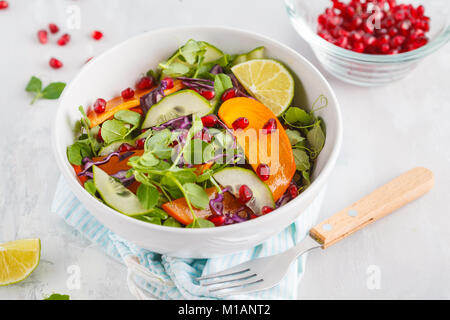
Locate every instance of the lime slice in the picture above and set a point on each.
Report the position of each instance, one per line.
(18, 259)
(268, 81)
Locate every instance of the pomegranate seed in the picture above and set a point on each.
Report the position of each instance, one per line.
(397, 41)
(240, 123)
(266, 210)
(4, 5)
(253, 216)
(144, 83)
(140, 143)
(293, 191)
(55, 63)
(167, 83)
(100, 105)
(96, 35)
(53, 28)
(89, 59)
(99, 135)
(245, 194)
(228, 94)
(270, 126)
(208, 94)
(384, 48)
(42, 36)
(65, 38)
(128, 93)
(209, 121)
(358, 47)
(263, 171)
(125, 147)
(217, 220)
(420, 10)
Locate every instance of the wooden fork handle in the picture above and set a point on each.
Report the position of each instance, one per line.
(393, 195)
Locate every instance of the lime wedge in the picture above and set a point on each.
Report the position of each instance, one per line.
(18, 259)
(268, 81)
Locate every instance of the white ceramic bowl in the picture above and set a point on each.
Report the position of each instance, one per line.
(119, 68)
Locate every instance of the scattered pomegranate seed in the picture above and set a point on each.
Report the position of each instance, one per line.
(140, 143)
(4, 5)
(96, 35)
(209, 121)
(125, 147)
(100, 105)
(42, 36)
(99, 135)
(245, 194)
(167, 83)
(128, 93)
(293, 191)
(228, 94)
(55, 63)
(53, 28)
(350, 25)
(240, 123)
(266, 210)
(207, 94)
(144, 83)
(270, 126)
(89, 59)
(65, 38)
(263, 171)
(217, 220)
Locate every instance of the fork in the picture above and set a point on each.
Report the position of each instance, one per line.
(267, 272)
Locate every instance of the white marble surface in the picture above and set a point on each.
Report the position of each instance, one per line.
(387, 131)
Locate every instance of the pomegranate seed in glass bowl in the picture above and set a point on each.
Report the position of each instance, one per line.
(366, 45)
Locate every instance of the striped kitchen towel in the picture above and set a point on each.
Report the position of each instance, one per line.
(155, 276)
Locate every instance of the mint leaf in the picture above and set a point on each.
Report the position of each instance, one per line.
(197, 196)
(222, 82)
(34, 85)
(113, 130)
(57, 296)
(301, 160)
(171, 222)
(148, 196)
(201, 223)
(128, 116)
(316, 138)
(53, 90)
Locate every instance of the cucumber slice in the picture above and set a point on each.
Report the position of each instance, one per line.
(212, 53)
(257, 53)
(234, 177)
(180, 103)
(116, 195)
(113, 146)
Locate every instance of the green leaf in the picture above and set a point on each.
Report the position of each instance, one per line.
(198, 151)
(222, 82)
(197, 195)
(158, 213)
(301, 160)
(148, 196)
(192, 50)
(57, 296)
(113, 130)
(128, 116)
(316, 138)
(90, 187)
(175, 69)
(171, 222)
(296, 115)
(201, 223)
(294, 136)
(34, 85)
(53, 90)
(78, 151)
(148, 159)
(153, 220)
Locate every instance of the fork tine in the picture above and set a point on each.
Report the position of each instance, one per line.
(257, 286)
(250, 281)
(240, 268)
(235, 277)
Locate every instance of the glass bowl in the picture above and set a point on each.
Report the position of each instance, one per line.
(367, 69)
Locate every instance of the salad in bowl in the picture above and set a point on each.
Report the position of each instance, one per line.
(206, 139)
